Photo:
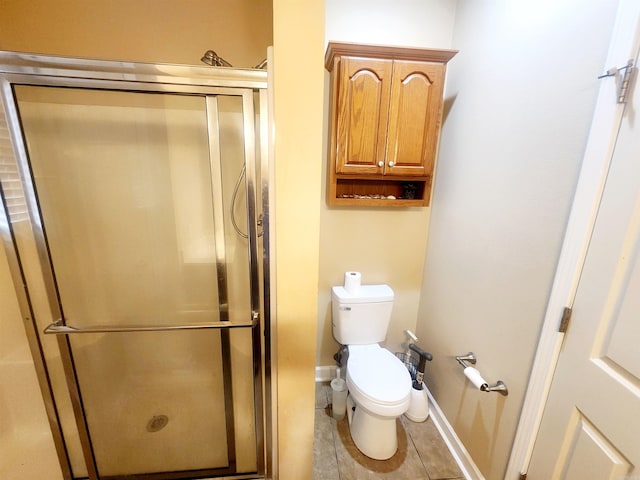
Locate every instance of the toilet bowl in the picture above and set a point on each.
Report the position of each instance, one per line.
(378, 382)
(380, 390)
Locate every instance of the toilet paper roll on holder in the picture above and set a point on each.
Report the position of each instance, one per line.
(499, 386)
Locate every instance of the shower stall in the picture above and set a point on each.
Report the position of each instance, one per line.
(135, 217)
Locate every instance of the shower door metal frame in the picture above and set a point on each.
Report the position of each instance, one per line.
(251, 85)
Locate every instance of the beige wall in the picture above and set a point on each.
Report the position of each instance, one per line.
(522, 91)
(298, 41)
(386, 244)
(157, 31)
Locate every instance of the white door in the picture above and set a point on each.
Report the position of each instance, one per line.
(591, 425)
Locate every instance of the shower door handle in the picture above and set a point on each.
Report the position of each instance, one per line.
(58, 328)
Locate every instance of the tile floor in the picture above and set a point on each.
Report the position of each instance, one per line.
(422, 454)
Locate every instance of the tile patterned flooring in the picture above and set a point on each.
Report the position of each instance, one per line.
(421, 455)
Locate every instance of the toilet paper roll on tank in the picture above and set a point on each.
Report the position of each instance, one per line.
(352, 282)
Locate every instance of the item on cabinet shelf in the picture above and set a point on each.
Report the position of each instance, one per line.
(409, 191)
(386, 109)
(374, 196)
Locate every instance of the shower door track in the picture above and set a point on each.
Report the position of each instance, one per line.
(21, 69)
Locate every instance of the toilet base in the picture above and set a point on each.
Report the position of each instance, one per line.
(374, 436)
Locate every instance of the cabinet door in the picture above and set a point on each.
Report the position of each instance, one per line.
(414, 118)
(362, 116)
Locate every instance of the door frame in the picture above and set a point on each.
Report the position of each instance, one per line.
(608, 114)
(17, 68)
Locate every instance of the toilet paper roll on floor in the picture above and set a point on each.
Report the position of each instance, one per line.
(352, 282)
(474, 377)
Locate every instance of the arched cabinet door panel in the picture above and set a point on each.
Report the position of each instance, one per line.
(365, 88)
(414, 117)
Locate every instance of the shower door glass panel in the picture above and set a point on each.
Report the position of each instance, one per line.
(129, 197)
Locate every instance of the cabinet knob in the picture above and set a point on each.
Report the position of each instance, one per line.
(391, 164)
(381, 163)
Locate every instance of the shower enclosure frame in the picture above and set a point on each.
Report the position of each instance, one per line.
(251, 86)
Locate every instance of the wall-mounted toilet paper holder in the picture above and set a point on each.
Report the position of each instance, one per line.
(474, 375)
(468, 358)
(499, 387)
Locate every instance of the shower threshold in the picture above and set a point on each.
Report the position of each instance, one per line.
(208, 474)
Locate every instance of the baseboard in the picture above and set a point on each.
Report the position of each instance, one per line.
(325, 373)
(460, 454)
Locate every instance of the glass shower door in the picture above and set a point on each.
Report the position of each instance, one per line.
(149, 286)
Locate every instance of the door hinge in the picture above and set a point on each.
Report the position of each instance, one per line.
(625, 81)
(564, 321)
(627, 78)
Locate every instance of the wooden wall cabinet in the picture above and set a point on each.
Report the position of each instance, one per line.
(386, 110)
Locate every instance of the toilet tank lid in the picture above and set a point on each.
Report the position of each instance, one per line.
(366, 293)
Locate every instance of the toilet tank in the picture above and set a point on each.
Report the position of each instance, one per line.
(361, 318)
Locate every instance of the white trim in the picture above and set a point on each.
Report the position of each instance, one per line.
(324, 373)
(599, 150)
(457, 449)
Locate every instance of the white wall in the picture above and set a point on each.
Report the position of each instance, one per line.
(408, 23)
(386, 244)
(520, 95)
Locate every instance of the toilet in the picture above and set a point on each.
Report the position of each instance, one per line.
(378, 382)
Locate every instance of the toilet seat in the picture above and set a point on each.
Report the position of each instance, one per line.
(378, 380)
